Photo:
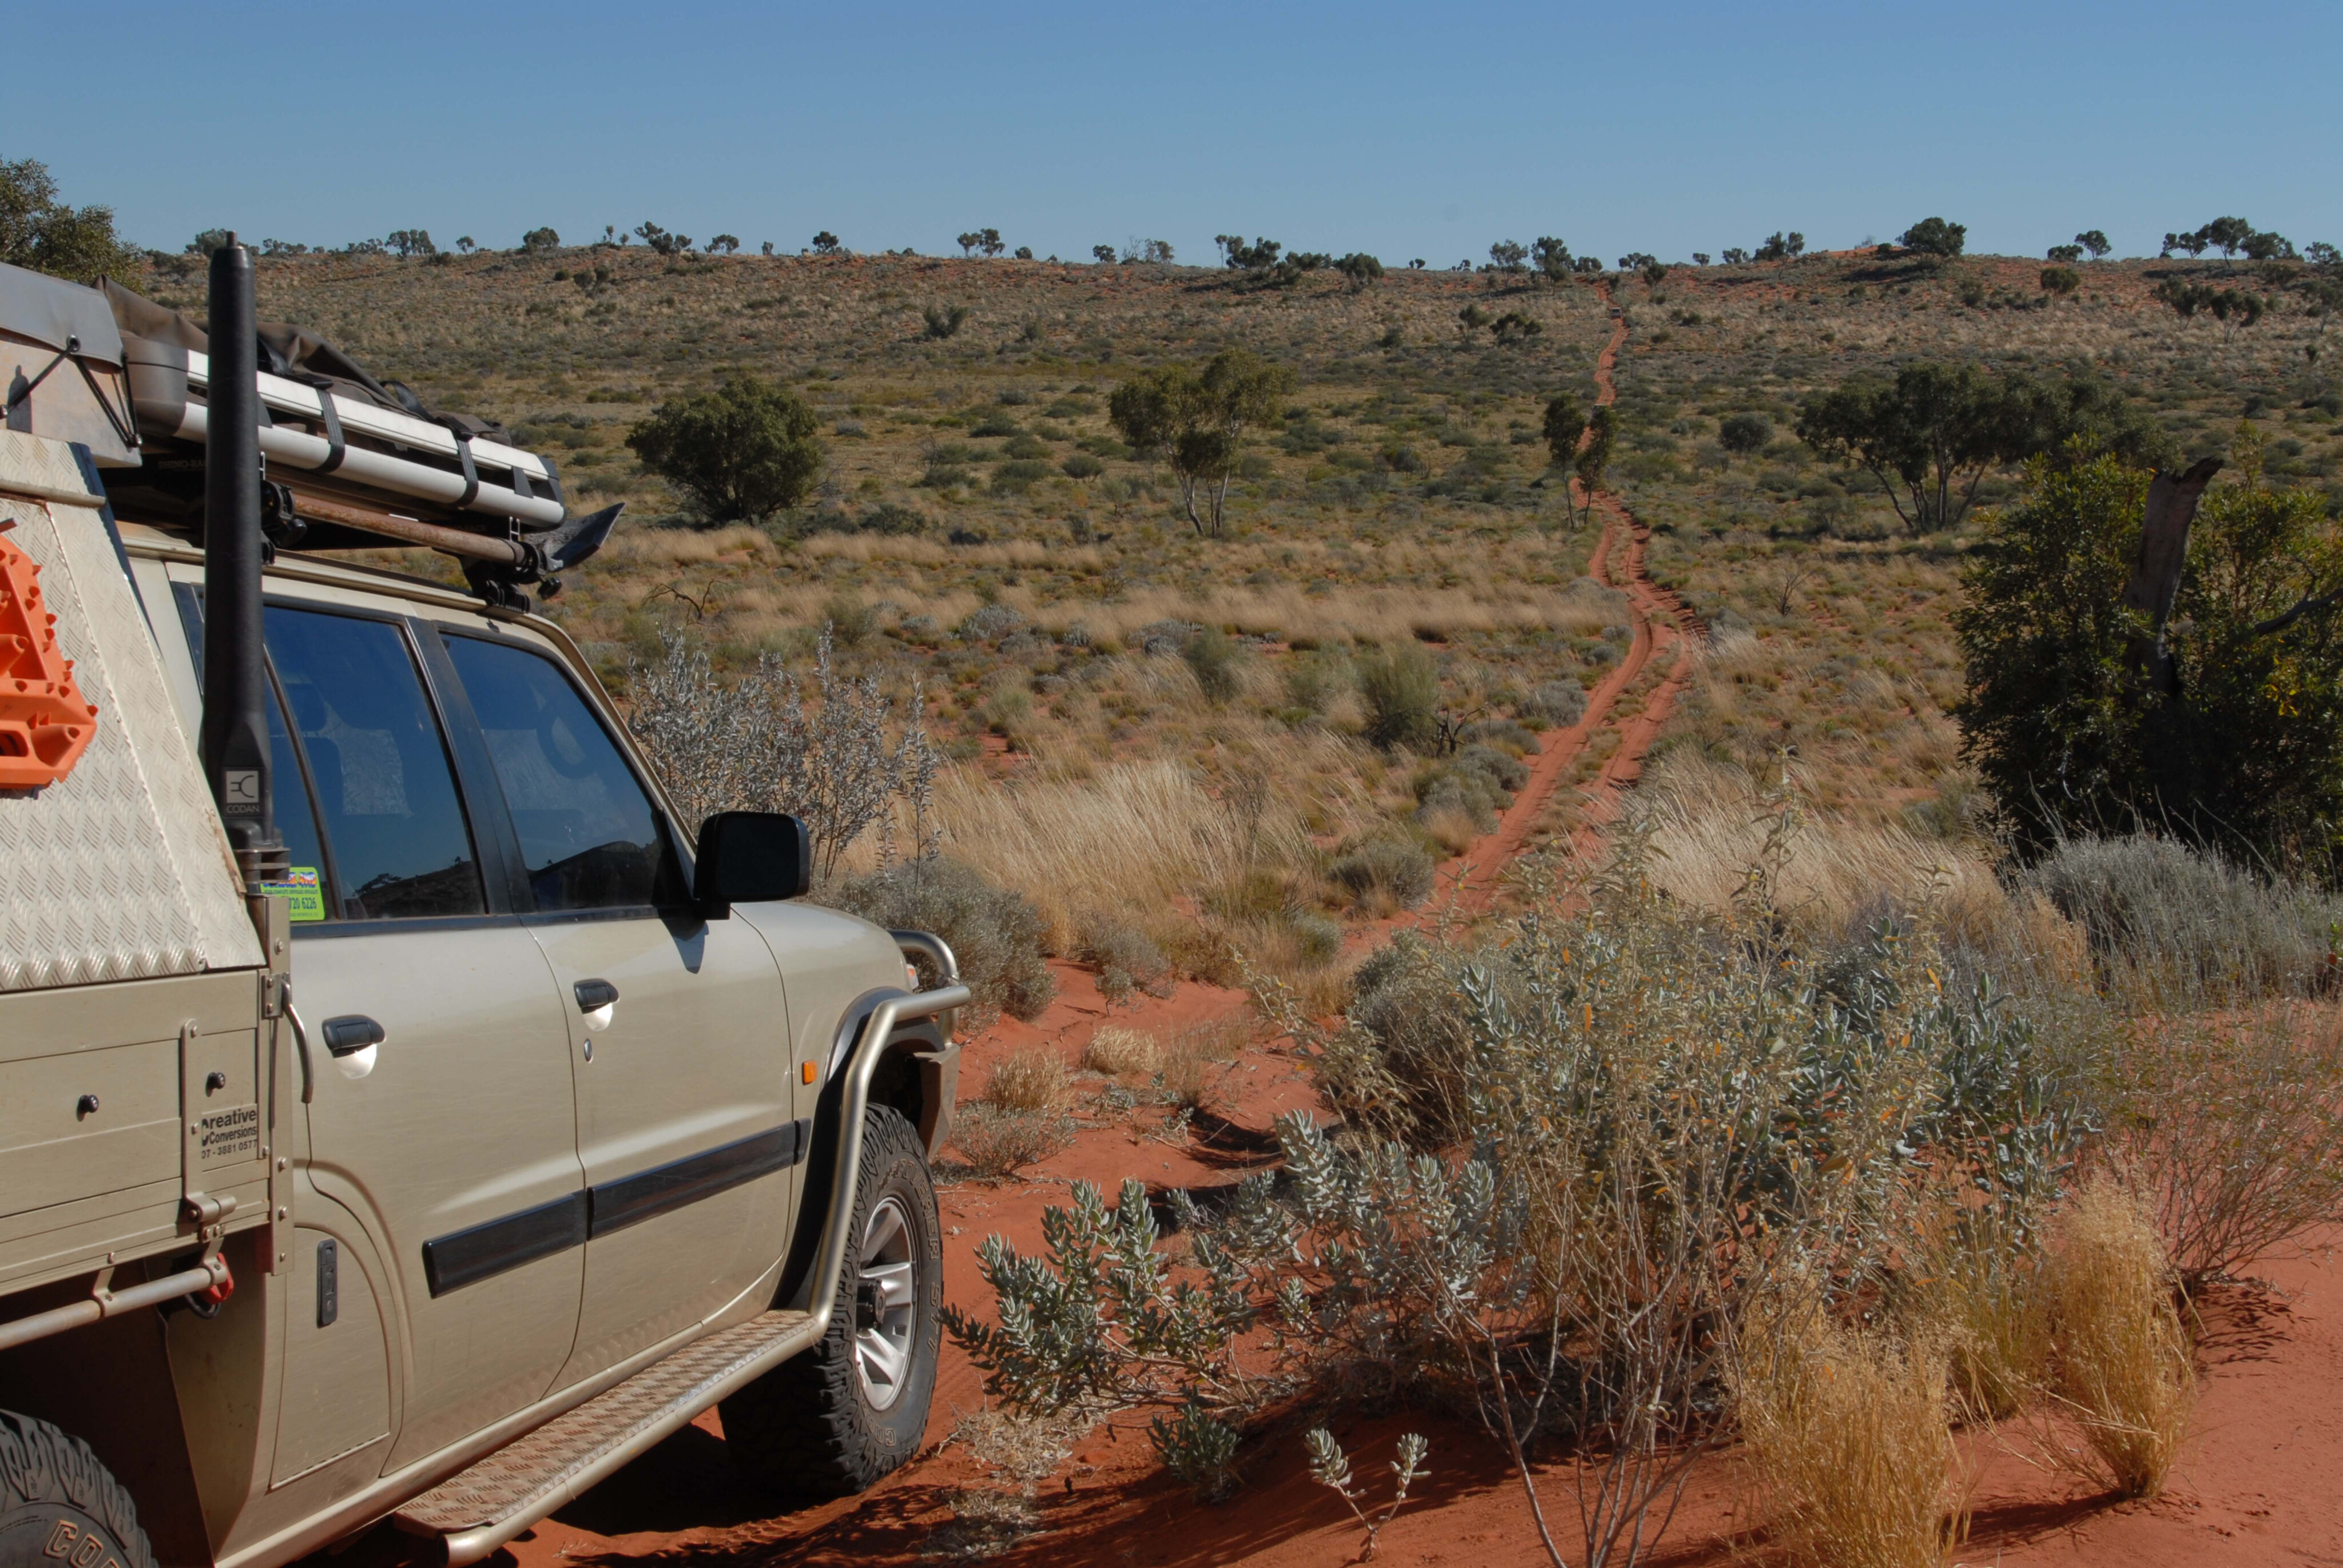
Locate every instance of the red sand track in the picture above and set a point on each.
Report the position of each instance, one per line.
(2257, 1482)
(1661, 627)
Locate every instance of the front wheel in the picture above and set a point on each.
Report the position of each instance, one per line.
(59, 1507)
(838, 1417)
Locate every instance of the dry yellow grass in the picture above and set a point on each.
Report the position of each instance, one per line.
(1849, 1431)
(1131, 836)
(1118, 1051)
(1710, 825)
(2123, 1364)
(1033, 1078)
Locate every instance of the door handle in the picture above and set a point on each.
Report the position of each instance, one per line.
(598, 1000)
(351, 1039)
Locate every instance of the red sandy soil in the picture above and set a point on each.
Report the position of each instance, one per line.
(2261, 1481)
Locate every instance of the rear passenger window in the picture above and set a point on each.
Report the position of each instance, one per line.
(377, 764)
(589, 837)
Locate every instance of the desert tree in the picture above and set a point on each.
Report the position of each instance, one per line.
(43, 233)
(1260, 255)
(464, 244)
(411, 242)
(1551, 258)
(1103, 255)
(944, 320)
(2266, 245)
(1654, 272)
(1935, 238)
(727, 243)
(1563, 423)
(1361, 269)
(1735, 257)
(2060, 281)
(2228, 235)
(2096, 242)
(968, 240)
(2190, 683)
(1157, 251)
(1509, 255)
(988, 241)
(826, 243)
(2064, 255)
(1595, 457)
(765, 248)
(1637, 261)
(1195, 417)
(1780, 247)
(739, 453)
(542, 241)
(1024, 252)
(2323, 256)
(1930, 436)
(1700, 258)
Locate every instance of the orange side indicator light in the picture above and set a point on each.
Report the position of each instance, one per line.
(808, 1072)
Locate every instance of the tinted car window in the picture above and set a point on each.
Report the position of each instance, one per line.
(590, 838)
(295, 821)
(378, 765)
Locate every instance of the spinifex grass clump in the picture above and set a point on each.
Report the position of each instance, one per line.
(2122, 1358)
(1847, 1428)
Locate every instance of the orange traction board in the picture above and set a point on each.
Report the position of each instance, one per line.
(46, 723)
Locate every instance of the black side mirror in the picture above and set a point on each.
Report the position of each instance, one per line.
(749, 858)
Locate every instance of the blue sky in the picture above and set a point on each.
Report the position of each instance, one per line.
(1406, 131)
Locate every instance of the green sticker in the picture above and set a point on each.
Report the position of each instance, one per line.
(300, 889)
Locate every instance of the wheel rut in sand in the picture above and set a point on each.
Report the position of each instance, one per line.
(1662, 628)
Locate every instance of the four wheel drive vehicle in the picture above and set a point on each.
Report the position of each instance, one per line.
(401, 1115)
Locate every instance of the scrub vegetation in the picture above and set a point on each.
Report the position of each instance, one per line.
(1914, 1055)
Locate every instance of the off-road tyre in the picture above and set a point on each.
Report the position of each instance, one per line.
(808, 1430)
(59, 1507)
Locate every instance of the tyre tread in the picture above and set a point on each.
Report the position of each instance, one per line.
(41, 1463)
(800, 1428)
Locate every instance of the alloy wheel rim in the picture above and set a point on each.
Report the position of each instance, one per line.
(886, 1306)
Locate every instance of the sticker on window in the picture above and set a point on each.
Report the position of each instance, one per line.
(301, 891)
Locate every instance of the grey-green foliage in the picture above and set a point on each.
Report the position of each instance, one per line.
(1389, 863)
(2157, 905)
(994, 931)
(833, 751)
(1575, 1153)
(1479, 780)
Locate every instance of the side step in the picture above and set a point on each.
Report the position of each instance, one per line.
(510, 1490)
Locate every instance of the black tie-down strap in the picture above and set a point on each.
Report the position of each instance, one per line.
(471, 474)
(334, 448)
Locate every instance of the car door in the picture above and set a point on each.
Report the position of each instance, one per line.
(679, 1031)
(453, 1142)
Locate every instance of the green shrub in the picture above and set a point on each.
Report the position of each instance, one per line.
(739, 453)
(1744, 433)
(1402, 691)
(1081, 466)
(995, 933)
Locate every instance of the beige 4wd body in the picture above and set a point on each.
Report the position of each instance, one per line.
(502, 1136)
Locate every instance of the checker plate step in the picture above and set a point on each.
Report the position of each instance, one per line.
(533, 1476)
